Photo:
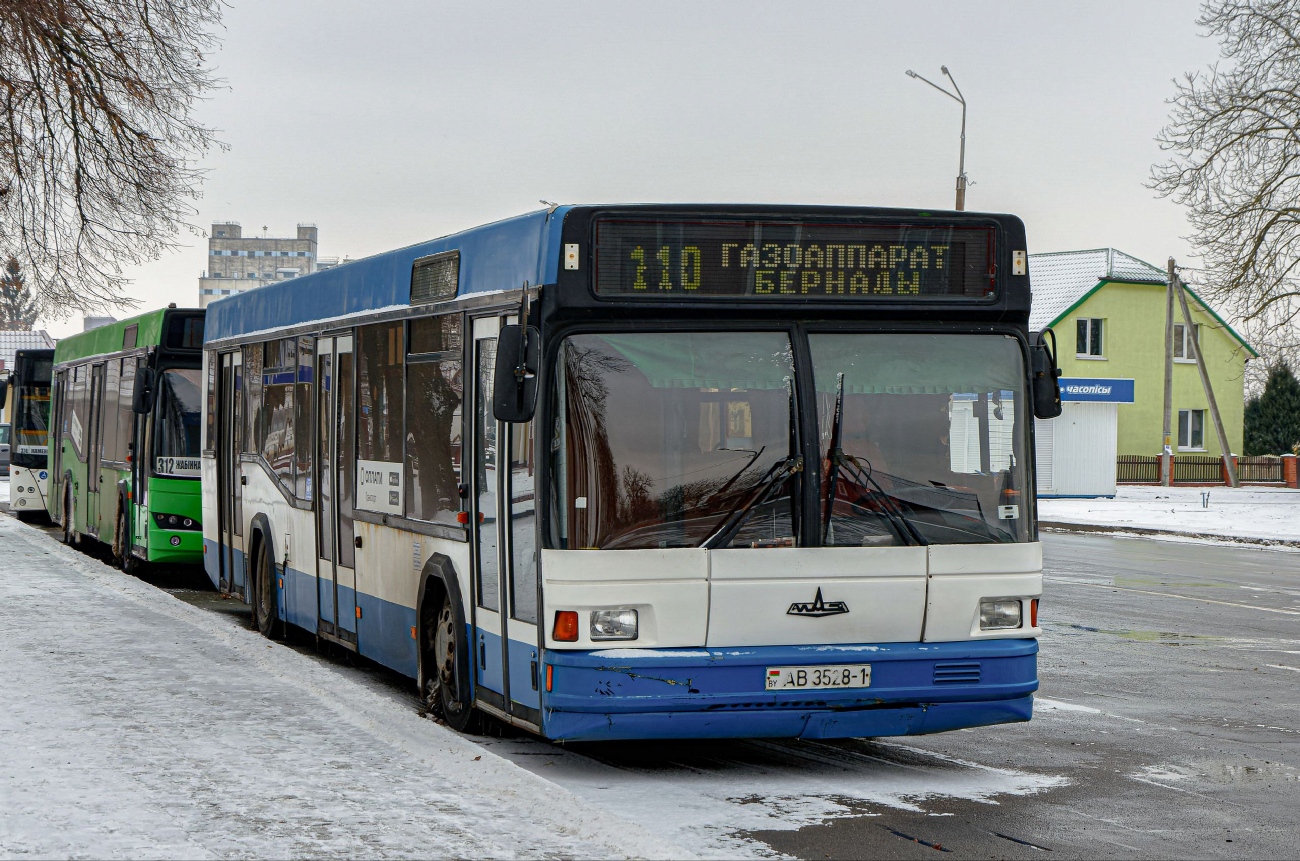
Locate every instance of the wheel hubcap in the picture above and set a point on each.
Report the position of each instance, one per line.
(444, 649)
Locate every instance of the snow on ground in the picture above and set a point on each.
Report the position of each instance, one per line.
(708, 795)
(4, 489)
(1256, 513)
(137, 726)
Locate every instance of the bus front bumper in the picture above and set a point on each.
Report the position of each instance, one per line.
(720, 693)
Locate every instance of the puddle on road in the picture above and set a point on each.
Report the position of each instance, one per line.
(1208, 774)
(1163, 638)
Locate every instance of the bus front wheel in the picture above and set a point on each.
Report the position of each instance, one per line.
(122, 554)
(445, 655)
(265, 610)
(69, 532)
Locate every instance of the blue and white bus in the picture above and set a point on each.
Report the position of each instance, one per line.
(614, 472)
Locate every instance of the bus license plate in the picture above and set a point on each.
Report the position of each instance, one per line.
(812, 678)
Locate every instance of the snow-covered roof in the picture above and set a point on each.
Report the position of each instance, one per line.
(1062, 278)
(11, 342)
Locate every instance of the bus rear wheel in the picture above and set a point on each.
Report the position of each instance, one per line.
(266, 615)
(444, 649)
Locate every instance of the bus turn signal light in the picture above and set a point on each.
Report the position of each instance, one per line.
(566, 626)
(1033, 613)
(462, 517)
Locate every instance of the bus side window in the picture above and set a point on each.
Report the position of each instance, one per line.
(252, 399)
(434, 392)
(302, 402)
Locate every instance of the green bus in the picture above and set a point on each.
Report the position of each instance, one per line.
(125, 467)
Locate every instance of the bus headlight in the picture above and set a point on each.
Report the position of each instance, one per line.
(613, 625)
(999, 613)
(175, 522)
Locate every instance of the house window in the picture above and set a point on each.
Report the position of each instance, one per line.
(1183, 335)
(1191, 430)
(1089, 341)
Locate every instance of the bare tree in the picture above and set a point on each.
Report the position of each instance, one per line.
(1234, 144)
(98, 139)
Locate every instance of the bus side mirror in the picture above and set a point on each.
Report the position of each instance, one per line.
(514, 390)
(142, 394)
(1046, 378)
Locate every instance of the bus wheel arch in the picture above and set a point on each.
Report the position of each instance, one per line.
(263, 594)
(443, 673)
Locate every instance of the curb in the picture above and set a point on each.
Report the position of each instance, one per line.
(1146, 532)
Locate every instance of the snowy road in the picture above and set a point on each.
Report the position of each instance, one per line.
(143, 725)
(135, 725)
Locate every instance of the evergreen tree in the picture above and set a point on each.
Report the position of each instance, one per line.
(1273, 418)
(17, 305)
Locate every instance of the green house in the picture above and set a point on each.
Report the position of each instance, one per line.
(1107, 310)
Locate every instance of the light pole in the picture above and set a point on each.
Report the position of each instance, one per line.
(958, 97)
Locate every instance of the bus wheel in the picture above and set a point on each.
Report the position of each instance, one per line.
(69, 533)
(122, 554)
(445, 649)
(265, 611)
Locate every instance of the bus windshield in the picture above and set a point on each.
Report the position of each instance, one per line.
(922, 438)
(32, 425)
(690, 439)
(674, 439)
(176, 428)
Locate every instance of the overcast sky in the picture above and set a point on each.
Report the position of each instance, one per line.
(387, 122)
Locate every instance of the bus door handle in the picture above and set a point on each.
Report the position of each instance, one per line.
(356, 542)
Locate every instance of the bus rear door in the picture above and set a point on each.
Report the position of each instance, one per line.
(94, 447)
(336, 576)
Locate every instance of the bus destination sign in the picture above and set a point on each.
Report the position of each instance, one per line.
(792, 260)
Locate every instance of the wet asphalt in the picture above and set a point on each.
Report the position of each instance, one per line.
(1177, 667)
(1169, 703)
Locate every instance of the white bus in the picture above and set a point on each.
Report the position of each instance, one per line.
(30, 433)
(610, 472)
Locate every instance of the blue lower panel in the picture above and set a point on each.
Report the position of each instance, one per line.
(212, 565)
(719, 693)
(487, 658)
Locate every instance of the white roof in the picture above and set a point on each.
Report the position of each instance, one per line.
(1061, 278)
(11, 342)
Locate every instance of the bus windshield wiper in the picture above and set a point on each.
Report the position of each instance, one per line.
(841, 461)
(760, 493)
(762, 489)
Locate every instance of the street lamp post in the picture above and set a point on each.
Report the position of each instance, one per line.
(957, 97)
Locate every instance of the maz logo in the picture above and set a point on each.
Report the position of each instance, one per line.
(818, 607)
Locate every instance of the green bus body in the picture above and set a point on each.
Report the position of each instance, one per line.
(146, 507)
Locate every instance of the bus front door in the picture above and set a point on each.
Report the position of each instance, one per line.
(505, 613)
(229, 502)
(336, 576)
(94, 447)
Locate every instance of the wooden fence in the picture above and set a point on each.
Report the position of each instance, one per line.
(1194, 469)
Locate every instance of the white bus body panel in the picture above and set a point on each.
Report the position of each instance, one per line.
(688, 597)
(961, 575)
(754, 595)
(669, 589)
(28, 489)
